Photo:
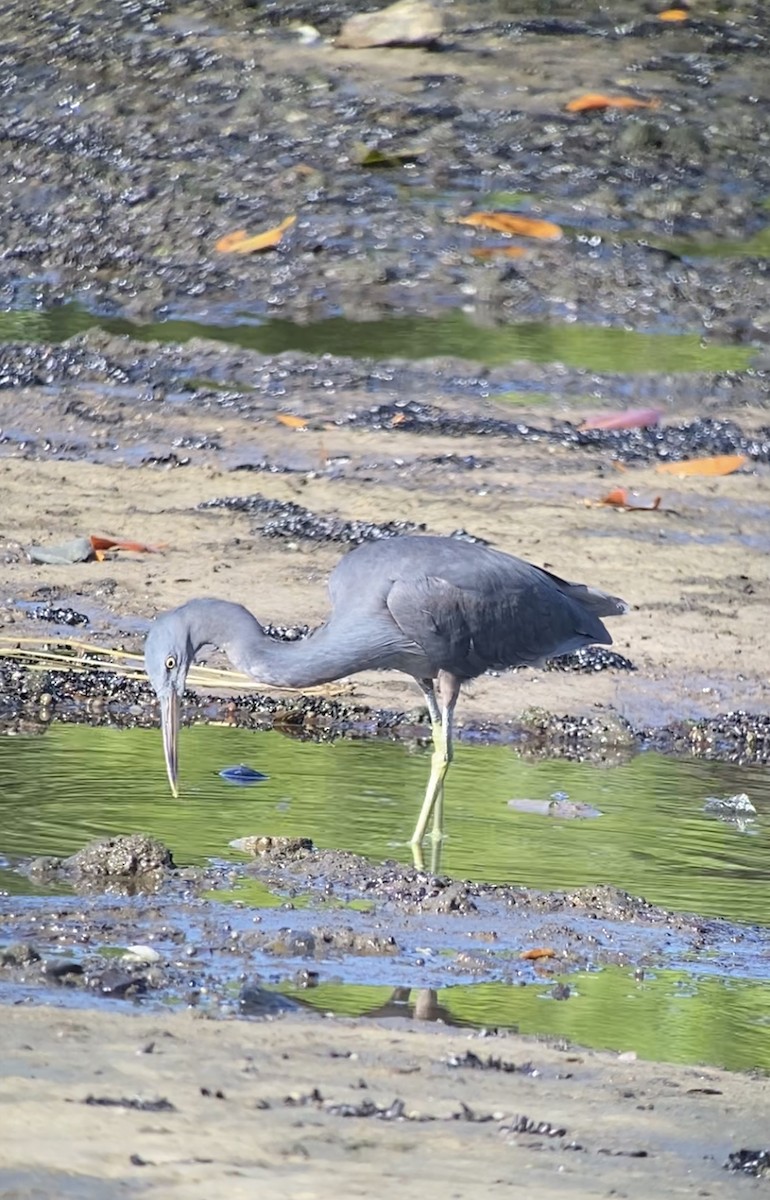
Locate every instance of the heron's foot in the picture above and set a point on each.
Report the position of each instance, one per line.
(436, 848)
(417, 856)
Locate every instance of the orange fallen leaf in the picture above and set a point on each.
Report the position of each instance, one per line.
(239, 242)
(629, 418)
(595, 100)
(100, 546)
(620, 497)
(503, 222)
(673, 14)
(498, 251)
(538, 952)
(291, 421)
(719, 464)
(229, 241)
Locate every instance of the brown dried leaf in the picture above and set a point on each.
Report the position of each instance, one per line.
(719, 464)
(503, 222)
(596, 100)
(538, 952)
(229, 241)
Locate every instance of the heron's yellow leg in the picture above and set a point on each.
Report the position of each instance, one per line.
(434, 793)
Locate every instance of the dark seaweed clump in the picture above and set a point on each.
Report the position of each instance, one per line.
(58, 616)
(285, 519)
(749, 1162)
(738, 737)
(666, 443)
(590, 659)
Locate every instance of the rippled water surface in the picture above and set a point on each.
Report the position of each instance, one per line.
(653, 839)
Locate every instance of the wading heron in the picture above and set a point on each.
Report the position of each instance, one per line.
(439, 609)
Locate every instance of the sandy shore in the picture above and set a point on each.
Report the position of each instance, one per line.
(695, 573)
(173, 1105)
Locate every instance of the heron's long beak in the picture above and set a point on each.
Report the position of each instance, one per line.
(170, 708)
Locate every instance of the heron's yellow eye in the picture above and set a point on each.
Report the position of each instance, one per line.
(170, 662)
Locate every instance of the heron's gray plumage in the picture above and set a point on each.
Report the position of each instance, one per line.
(439, 609)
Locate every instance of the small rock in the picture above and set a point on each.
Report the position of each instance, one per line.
(140, 955)
(260, 845)
(19, 954)
(406, 23)
(738, 805)
(294, 944)
(132, 854)
(255, 1001)
(117, 984)
(62, 969)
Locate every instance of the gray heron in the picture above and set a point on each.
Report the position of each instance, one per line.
(439, 609)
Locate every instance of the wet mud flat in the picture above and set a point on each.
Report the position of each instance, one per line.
(238, 499)
(324, 912)
(185, 1104)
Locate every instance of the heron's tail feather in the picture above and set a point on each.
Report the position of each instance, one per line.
(601, 604)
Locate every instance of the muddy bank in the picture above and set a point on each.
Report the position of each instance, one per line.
(155, 131)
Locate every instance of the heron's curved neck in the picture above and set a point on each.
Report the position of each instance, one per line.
(328, 653)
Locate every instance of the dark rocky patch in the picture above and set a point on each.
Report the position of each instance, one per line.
(132, 1102)
(491, 1063)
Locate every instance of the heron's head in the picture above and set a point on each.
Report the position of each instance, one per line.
(168, 654)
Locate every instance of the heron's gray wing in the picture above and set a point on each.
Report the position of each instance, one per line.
(432, 612)
(515, 617)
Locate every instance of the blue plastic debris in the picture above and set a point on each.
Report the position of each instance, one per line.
(242, 775)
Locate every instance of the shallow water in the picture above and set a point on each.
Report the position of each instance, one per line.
(594, 347)
(653, 838)
(671, 1016)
